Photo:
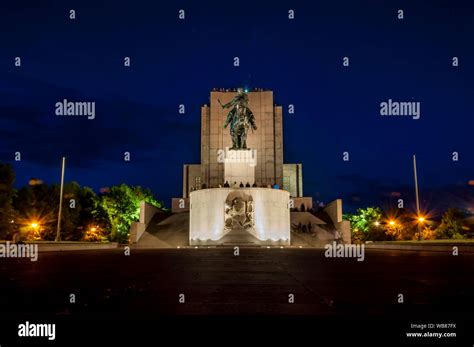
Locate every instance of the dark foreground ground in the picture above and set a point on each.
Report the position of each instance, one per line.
(113, 291)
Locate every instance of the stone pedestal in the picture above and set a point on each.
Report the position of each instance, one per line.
(269, 220)
(239, 166)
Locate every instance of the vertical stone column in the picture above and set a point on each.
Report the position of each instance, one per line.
(278, 145)
(205, 146)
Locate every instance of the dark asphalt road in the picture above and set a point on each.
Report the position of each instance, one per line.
(259, 281)
(137, 297)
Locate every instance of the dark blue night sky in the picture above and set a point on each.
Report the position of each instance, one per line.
(179, 61)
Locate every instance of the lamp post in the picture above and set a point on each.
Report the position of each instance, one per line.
(416, 187)
(420, 218)
(58, 236)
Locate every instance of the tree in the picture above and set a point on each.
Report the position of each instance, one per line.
(37, 203)
(452, 225)
(426, 233)
(7, 215)
(399, 231)
(85, 215)
(364, 224)
(121, 206)
(400, 225)
(78, 217)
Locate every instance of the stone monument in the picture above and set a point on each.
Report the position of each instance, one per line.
(252, 214)
(242, 192)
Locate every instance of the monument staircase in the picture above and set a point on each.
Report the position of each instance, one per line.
(239, 237)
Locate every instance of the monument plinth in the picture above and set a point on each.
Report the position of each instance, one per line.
(239, 166)
(226, 215)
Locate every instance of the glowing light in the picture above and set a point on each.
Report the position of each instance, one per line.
(34, 225)
(391, 222)
(421, 219)
(377, 223)
(93, 229)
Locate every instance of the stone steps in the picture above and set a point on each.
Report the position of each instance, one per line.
(239, 236)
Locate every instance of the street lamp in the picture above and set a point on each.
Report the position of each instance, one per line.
(35, 229)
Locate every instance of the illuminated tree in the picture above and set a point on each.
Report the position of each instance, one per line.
(121, 205)
(452, 225)
(38, 204)
(78, 207)
(398, 231)
(427, 233)
(7, 177)
(365, 224)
